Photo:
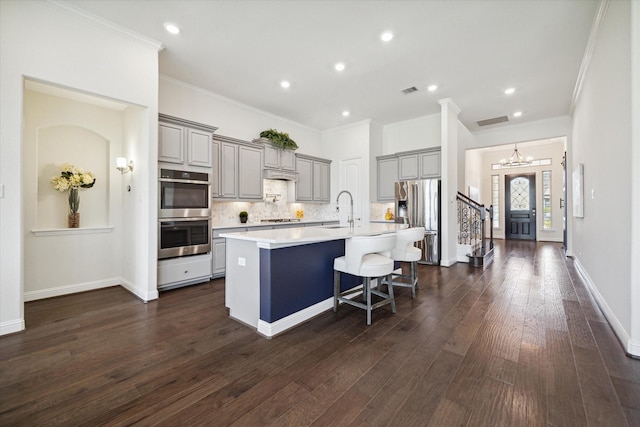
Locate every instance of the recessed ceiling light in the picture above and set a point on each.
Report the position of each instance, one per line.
(386, 36)
(509, 91)
(345, 113)
(285, 84)
(172, 28)
(339, 66)
(432, 88)
(517, 114)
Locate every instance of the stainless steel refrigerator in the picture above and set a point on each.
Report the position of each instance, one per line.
(418, 204)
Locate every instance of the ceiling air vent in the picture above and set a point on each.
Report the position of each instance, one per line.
(493, 121)
(409, 90)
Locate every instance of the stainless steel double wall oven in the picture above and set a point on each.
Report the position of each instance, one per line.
(184, 215)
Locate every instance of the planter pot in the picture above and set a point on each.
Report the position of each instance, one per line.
(243, 219)
(74, 220)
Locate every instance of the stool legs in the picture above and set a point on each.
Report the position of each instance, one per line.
(390, 290)
(336, 289)
(414, 279)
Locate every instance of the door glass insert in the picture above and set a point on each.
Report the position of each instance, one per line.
(520, 194)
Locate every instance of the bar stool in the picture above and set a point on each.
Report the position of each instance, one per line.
(405, 251)
(362, 259)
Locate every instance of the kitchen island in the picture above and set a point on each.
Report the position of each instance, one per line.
(277, 279)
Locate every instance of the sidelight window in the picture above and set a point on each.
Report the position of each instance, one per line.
(495, 199)
(546, 200)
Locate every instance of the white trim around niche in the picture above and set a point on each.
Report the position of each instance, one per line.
(43, 232)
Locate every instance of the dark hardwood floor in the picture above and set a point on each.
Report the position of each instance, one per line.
(521, 343)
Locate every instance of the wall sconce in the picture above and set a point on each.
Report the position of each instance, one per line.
(123, 166)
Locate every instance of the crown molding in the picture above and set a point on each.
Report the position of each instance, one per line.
(588, 54)
(131, 35)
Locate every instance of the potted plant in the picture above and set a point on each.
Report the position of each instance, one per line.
(280, 139)
(243, 216)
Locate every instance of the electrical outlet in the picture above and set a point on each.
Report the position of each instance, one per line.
(242, 262)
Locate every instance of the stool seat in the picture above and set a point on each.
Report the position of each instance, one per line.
(365, 257)
(373, 265)
(405, 251)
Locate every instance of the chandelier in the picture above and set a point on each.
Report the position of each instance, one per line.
(516, 160)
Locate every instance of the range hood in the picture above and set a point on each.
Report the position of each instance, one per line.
(280, 174)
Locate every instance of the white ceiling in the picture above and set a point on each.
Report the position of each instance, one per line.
(472, 50)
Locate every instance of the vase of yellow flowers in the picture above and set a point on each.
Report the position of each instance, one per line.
(73, 179)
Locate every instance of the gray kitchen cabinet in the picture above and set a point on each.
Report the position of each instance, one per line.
(250, 173)
(228, 169)
(276, 157)
(237, 169)
(321, 185)
(408, 167)
(387, 176)
(430, 164)
(304, 185)
(219, 258)
(314, 179)
(184, 142)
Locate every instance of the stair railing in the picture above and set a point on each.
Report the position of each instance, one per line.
(472, 217)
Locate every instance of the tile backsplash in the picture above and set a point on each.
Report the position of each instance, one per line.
(274, 205)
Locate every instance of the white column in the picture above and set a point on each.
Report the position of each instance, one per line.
(633, 346)
(449, 164)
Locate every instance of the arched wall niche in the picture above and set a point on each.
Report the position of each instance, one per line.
(85, 149)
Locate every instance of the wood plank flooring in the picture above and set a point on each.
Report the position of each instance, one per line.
(521, 343)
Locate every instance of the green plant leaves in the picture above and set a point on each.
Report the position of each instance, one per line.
(281, 139)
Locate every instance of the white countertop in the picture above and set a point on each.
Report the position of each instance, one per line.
(285, 237)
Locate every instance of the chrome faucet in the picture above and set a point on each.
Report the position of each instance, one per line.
(351, 211)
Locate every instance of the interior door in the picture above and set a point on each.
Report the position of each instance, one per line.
(351, 180)
(563, 202)
(520, 206)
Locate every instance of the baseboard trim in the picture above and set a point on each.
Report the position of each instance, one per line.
(11, 326)
(71, 289)
(270, 330)
(145, 296)
(632, 349)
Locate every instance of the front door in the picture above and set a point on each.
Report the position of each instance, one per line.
(520, 206)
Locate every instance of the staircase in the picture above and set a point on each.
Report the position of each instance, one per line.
(473, 246)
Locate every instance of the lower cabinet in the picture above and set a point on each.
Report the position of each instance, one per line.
(182, 271)
(219, 258)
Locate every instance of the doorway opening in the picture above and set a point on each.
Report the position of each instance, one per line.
(520, 206)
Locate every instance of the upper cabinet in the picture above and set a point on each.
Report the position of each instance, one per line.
(276, 157)
(387, 176)
(429, 164)
(237, 169)
(405, 166)
(184, 143)
(314, 179)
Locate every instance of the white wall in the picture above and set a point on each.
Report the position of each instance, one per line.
(521, 132)
(349, 142)
(46, 42)
(602, 141)
(415, 134)
(232, 118)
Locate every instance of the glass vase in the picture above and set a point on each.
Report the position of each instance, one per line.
(74, 220)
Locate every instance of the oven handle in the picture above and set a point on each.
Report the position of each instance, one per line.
(183, 219)
(184, 181)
